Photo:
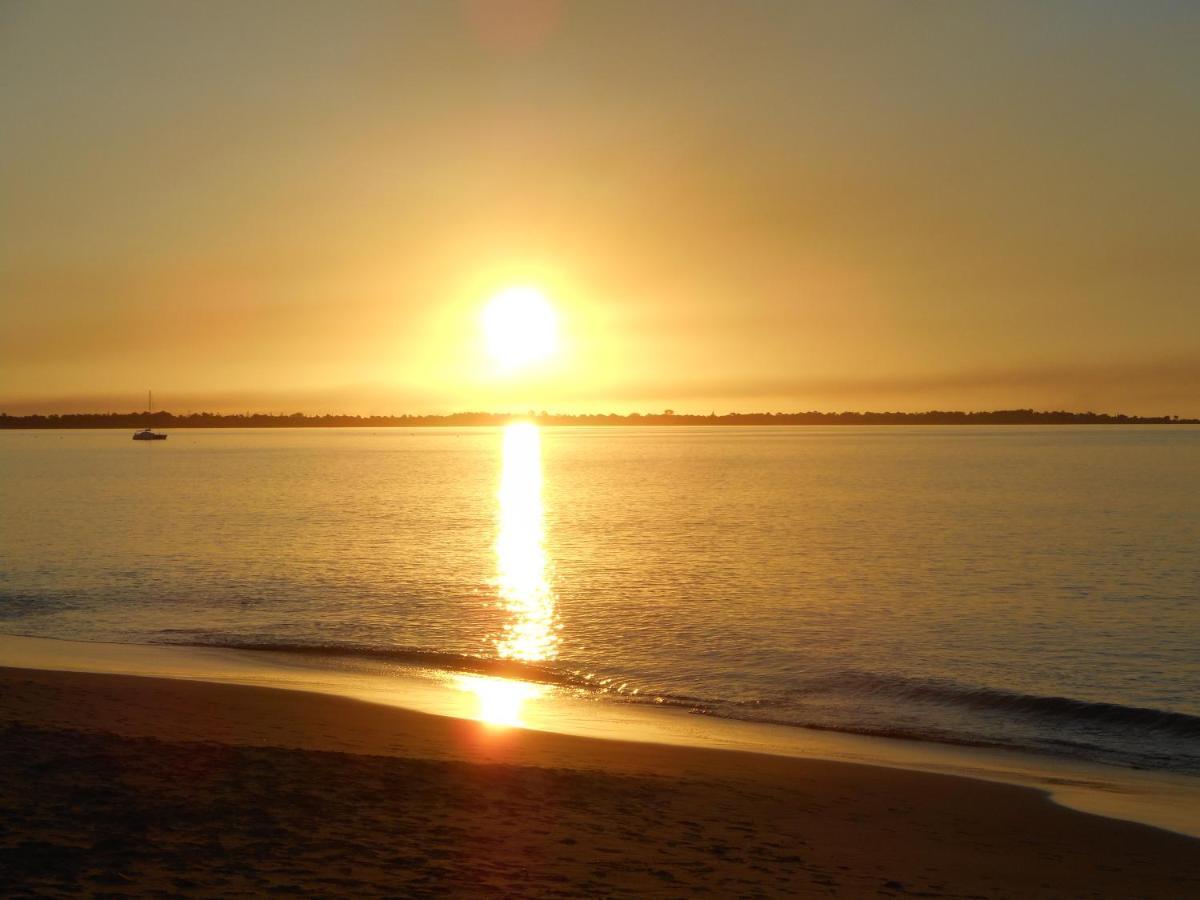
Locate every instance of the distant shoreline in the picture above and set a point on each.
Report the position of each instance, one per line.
(299, 420)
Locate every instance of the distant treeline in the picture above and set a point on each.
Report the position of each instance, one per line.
(669, 417)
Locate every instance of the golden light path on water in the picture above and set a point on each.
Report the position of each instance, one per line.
(522, 578)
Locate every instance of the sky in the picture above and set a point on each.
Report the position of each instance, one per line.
(304, 206)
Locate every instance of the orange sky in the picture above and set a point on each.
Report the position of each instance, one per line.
(286, 206)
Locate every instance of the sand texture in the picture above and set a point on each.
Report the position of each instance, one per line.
(124, 786)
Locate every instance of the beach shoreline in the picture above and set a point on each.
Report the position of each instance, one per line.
(1158, 799)
(226, 787)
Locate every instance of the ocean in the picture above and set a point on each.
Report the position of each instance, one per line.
(1028, 588)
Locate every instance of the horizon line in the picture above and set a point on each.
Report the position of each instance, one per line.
(1022, 415)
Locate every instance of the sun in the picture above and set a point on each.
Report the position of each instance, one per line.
(520, 327)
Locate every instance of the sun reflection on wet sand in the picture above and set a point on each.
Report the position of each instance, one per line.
(522, 578)
(500, 700)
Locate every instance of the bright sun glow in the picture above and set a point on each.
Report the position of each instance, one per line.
(520, 327)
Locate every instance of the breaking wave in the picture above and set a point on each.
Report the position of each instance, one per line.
(790, 709)
(1080, 712)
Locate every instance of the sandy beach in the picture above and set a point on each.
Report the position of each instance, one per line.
(122, 785)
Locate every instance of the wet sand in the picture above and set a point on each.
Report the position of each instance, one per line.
(123, 785)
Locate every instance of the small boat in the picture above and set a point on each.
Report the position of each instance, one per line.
(146, 434)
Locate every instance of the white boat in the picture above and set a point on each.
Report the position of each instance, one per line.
(146, 434)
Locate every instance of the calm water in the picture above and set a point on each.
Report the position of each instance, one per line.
(1028, 587)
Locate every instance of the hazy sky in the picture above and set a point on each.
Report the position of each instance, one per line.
(742, 205)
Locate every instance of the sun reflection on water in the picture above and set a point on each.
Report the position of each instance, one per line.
(522, 578)
(522, 582)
